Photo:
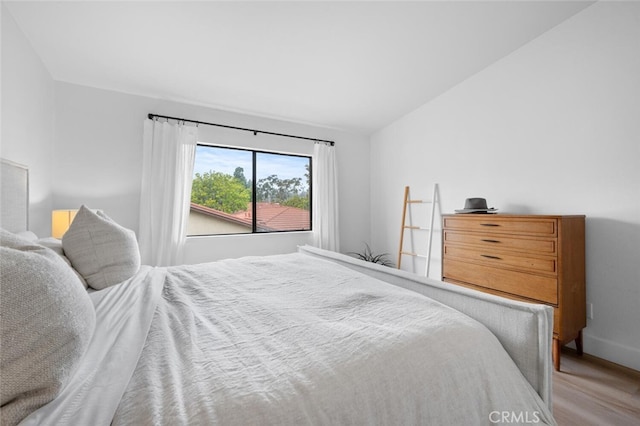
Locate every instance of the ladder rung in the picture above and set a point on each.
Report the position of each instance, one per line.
(408, 253)
(417, 228)
(419, 201)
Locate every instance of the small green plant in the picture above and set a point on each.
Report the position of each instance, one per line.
(368, 256)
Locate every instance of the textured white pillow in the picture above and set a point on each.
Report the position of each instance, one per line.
(104, 252)
(46, 325)
(27, 235)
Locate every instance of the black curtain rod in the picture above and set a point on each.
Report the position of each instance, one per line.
(254, 131)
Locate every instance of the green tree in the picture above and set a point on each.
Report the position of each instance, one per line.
(220, 191)
(272, 189)
(298, 202)
(239, 174)
(307, 175)
(267, 188)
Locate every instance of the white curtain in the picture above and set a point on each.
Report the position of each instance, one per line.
(325, 197)
(167, 173)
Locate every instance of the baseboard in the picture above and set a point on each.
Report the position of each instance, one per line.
(571, 352)
(610, 351)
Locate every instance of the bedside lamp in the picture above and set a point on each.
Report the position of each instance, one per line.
(60, 222)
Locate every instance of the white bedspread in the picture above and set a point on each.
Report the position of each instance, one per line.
(263, 341)
(286, 340)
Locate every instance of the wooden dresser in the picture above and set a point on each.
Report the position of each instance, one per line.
(531, 258)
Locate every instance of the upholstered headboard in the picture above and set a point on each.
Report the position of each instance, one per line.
(14, 196)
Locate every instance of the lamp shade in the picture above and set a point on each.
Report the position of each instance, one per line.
(60, 222)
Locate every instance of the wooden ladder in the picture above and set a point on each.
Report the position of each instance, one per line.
(404, 228)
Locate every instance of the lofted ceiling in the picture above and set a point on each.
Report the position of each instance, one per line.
(356, 66)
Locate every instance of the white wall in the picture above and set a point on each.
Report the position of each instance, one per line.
(552, 128)
(98, 157)
(27, 119)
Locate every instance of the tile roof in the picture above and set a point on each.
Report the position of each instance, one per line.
(271, 216)
(220, 214)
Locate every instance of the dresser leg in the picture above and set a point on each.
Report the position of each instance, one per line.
(579, 343)
(556, 354)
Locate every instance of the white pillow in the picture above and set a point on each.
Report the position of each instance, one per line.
(104, 252)
(47, 323)
(27, 235)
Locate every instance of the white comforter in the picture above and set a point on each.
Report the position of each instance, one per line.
(288, 340)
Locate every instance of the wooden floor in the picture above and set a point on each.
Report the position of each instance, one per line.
(590, 391)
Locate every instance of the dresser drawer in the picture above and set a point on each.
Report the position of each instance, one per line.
(500, 259)
(492, 224)
(531, 286)
(489, 241)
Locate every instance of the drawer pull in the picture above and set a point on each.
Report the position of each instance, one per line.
(489, 224)
(491, 257)
(490, 241)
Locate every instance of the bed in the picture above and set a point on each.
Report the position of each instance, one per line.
(312, 337)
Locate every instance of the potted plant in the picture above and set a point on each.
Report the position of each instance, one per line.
(368, 256)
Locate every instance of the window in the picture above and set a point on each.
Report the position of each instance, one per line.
(241, 191)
